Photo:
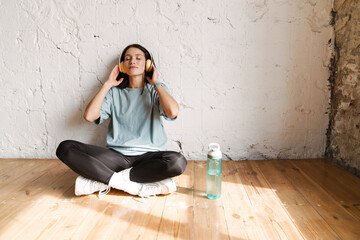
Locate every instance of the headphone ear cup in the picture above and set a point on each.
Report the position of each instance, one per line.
(148, 65)
(122, 68)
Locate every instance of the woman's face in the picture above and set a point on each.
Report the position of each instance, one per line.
(134, 62)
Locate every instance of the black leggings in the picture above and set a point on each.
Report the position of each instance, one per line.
(98, 163)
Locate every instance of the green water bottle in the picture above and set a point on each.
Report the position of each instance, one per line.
(214, 171)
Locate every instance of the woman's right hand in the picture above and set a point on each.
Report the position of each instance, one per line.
(92, 111)
(112, 77)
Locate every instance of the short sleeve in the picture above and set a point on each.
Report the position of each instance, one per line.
(162, 113)
(105, 111)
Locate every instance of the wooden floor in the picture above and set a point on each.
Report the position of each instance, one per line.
(272, 199)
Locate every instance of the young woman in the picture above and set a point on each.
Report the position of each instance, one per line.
(134, 160)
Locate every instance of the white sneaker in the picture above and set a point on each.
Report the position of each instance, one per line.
(84, 186)
(156, 188)
(121, 181)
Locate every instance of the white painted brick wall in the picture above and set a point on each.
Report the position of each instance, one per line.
(248, 74)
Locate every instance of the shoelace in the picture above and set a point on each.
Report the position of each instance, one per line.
(147, 190)
(103, 192)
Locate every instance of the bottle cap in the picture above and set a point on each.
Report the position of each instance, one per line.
(214, 151)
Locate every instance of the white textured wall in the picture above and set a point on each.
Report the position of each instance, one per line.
(248, 74)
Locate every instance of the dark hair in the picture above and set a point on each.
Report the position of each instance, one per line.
(125, 82)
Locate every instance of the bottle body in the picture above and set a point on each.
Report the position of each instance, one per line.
(214, 178)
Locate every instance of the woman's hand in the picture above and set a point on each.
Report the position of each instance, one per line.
(92, 111)
(169, 104)
(112, 77)
(154, 78)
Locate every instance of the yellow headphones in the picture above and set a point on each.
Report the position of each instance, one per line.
(149, 64)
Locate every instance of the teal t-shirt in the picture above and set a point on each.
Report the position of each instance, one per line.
(136, 125)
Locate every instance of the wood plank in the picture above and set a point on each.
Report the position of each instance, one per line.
(147, 215)
(138, 218)
(93, 210)
(66, 224)
(111, 220)
(30, 214)
(233, 191)
(307, 220)
(56, 200)
(342, 186)
(243, 220)
(115, 221)
(9, 167)
(52, 194)
(17, 175)
(276, 222)
(343, 224)
(179, 208)
(36, 187)
(87, 209)
(25, 215)
(20, 197)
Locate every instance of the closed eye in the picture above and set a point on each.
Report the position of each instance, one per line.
(128, 59)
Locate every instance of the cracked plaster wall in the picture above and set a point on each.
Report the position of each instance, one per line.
(250, 75)
(344, 130)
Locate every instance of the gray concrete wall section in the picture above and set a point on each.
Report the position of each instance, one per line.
(343, 145)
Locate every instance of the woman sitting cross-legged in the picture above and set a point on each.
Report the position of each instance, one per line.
(134, 159)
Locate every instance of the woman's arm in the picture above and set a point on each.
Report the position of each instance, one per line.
(92, 111)
(169, 104)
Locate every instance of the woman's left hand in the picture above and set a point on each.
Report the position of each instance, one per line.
(154, 78)
(170, 106)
